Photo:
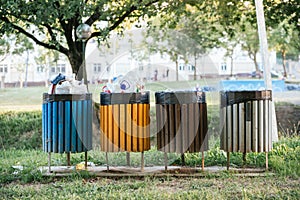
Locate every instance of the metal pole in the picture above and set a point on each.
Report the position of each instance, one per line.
(166, 161)
(182, 160)
(261, 25)
(128, 158)
(49, 162)
(85, 159)
(68, 159)
(202, 164)
(228, 160)
(267, 162)
(142, 162)
(106, 157)
(244, 159)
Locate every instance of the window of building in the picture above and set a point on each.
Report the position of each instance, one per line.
(3, 69)
(97, 67)
(59, 68)
(40, 69)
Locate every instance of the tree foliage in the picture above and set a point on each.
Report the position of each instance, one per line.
(52, 23)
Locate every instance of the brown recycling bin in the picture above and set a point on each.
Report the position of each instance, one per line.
(124, 122)
(246, 121)
(181, 122)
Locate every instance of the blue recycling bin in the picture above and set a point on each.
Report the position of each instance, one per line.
(67, 123)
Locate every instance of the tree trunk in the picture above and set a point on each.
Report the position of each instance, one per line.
(176, 62)
(76, 58)
(231, 65)
(283, 63)
(195, 67)
(256, 65)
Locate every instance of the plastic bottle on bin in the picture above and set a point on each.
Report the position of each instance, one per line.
(63, 84)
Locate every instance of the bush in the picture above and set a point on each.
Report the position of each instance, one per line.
(21, 130)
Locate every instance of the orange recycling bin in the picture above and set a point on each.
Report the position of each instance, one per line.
(125, 122)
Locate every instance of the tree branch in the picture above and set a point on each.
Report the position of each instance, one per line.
(118, 21)
(46, 45)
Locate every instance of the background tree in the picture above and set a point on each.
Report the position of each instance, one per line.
(45, 59)
(52, 24)
(4, 48)
(281, 40)
(22, 45)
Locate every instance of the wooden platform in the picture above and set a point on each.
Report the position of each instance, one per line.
(155, 171)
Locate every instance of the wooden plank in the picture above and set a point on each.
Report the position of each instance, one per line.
(158, 126)
(90, 124)
(185, 130)
(54, 128)
(241, 127)
(248, 126)
(68, 123)
(44, 125)
(134, 118)
(115, 131)
(172, 129)
(235, 128)
(85, 125)
(141, 125)
(128, 127)
(122, 126)
(198, 127)
(110, 129)
(178, 129)
(105, 128)
(102, 133)
(266, 132)
(60, 121)
(79, 126)
(261, 126)
(166, 133)
(191, 130)
(255, 114)
(147, 126)
(270, 125)
(229, 129)
(162, 131)
(74, 128)
(223, 126)
(205, 128)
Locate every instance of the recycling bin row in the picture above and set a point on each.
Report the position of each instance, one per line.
(181, 120)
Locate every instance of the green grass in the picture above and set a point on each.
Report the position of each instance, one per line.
(156, 188)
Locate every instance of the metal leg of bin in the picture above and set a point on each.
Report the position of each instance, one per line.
(228, 160)
(142, 161)
(106, 157)
(182, 160)
(244, 159)
(128, 159)
(166, 161)
(85, 160)
(68, 159)
(202, 164)
(267, 162)
(49, 162)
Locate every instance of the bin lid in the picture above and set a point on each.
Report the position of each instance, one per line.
(180, 97)
(124, 98)
(235, 97)
(47, 98)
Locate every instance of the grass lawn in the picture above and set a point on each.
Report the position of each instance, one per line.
(227, 187)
